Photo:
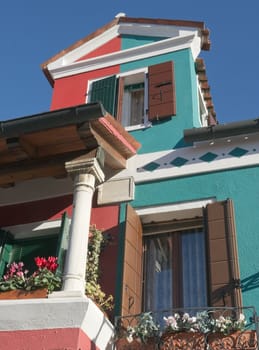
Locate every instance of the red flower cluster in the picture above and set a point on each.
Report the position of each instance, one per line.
(50, 263)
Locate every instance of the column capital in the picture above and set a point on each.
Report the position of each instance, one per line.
(85, 165)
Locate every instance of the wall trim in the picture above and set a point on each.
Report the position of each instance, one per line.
(136, 53)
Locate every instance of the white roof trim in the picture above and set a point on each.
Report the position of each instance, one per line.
(132, 54)
(149, 30)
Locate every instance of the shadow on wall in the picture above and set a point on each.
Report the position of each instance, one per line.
(250, 282)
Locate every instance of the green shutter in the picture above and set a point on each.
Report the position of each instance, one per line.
(104, 91)
(5, 250)
(27, 249)
(63, 243)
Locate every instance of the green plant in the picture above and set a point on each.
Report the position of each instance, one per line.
(145, 329)
(17, 277)
(93, 289)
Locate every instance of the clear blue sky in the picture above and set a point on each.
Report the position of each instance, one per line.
(33, 31)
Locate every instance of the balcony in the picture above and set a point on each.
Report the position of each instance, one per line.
(178, 329)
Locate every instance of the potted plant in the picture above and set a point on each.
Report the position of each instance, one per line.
(43, 279)
(188, 332)
(143, 334)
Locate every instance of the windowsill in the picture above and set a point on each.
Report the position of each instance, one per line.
(138, 127)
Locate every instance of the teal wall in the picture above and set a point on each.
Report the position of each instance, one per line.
(168, 134)
(222, 185)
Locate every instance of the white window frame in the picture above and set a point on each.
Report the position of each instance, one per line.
(126, 75)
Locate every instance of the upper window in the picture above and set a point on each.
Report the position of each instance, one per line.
(137, 97)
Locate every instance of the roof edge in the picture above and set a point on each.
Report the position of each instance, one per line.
(220, 131)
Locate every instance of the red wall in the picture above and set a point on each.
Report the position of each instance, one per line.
(66, 338)
(105, 218)
(71, 91)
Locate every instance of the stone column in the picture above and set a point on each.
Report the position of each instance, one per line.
(85, 173)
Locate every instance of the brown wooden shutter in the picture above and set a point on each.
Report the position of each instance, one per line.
(161, 91)
(132, 270)
(224, 277)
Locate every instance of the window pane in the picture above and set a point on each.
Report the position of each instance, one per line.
(193, 269)
(158, 292)
(175, 270)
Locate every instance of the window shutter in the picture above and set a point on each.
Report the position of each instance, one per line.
(224, 277)
(161, 91)
(5, 250)
(120, 98)
(104, 91)
(26, 250)
(132, 270)
(63, 243)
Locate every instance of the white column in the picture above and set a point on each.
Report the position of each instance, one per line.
(84, 172)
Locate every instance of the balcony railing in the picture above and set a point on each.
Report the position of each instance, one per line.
(189, 328)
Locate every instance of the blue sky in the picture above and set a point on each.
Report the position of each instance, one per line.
(32, 31)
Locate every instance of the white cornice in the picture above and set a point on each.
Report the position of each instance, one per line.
(137, 29)
(137, 53)
(165, 164)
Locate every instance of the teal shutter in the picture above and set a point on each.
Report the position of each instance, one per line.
(104, 91)
(5, 250)
(63, 243)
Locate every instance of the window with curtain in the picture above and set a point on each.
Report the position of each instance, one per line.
(175, 270)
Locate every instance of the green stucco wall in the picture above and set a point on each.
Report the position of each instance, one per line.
(240, 186)
(168, 134)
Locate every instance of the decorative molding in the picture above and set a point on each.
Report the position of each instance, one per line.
(205, 157)
(82, 166)
(138, 29)
(136, 53)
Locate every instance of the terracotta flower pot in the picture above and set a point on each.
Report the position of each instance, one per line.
(236, 340)
(24, 294)
(183, 341)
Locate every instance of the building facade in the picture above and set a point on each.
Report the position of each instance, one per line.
(132, 119)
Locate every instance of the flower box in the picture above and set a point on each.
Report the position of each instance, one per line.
(24, 294)
(124, 344)
(237, 340)
(183, 340)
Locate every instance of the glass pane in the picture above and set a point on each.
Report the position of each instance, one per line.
(158, 293)
(175, 273)
(193, 269)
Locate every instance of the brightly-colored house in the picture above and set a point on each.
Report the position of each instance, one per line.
(132, 145)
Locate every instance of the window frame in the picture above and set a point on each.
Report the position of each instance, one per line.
(120, 77)
(159, 93)
(175, 229)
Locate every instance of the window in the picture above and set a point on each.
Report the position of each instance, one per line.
(137, 97)
(50, 241)
(181, 263)
(174, 270)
